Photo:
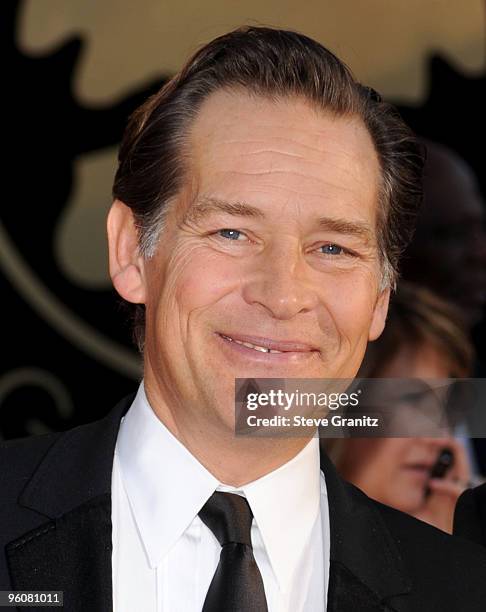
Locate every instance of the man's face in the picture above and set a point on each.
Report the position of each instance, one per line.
(273, 243)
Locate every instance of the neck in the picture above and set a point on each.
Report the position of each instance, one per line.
(234, 461)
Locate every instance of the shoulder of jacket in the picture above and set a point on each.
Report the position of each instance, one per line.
(20, 457)
(427, 544)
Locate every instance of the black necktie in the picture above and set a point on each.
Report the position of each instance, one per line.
(237, 584)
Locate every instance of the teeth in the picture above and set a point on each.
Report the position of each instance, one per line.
(253, 346)
(262, 349)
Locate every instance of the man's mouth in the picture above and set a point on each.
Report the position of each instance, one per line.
(250, 345)
(267, 345)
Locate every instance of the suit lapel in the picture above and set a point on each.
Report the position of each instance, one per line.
(71, 490)
(347, 593)
(366, 572)
(71, 554)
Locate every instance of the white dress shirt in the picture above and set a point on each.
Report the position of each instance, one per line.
(164, 557)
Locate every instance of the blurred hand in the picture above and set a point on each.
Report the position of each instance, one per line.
(439, 504)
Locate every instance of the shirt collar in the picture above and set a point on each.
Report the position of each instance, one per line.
(167, 486)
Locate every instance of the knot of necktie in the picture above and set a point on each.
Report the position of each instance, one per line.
(229, 517)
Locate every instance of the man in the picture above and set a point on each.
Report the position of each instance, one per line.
(261, 202)
(470, 515)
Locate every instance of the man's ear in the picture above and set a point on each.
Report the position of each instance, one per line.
(379, 315)
(126, 265)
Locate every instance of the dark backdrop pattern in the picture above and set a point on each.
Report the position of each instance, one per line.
(66, 350)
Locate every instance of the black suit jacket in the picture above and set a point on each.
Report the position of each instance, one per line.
(55, 533)
(470, 515)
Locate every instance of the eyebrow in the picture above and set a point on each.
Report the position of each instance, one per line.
(204, 207)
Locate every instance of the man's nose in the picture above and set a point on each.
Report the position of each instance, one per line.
(280, 283)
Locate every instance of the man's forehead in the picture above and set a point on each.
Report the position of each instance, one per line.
(241, 118)
(251, 150)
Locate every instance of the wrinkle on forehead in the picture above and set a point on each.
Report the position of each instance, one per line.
(228, 117)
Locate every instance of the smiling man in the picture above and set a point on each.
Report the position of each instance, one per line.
(275, 224)
(262, 200)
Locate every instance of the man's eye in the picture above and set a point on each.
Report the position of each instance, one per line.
(231, 234)
(331, 249)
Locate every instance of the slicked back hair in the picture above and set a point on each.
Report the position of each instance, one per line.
(275, 64)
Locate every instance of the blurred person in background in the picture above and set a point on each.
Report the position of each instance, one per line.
(448, 251)
(424, 339)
